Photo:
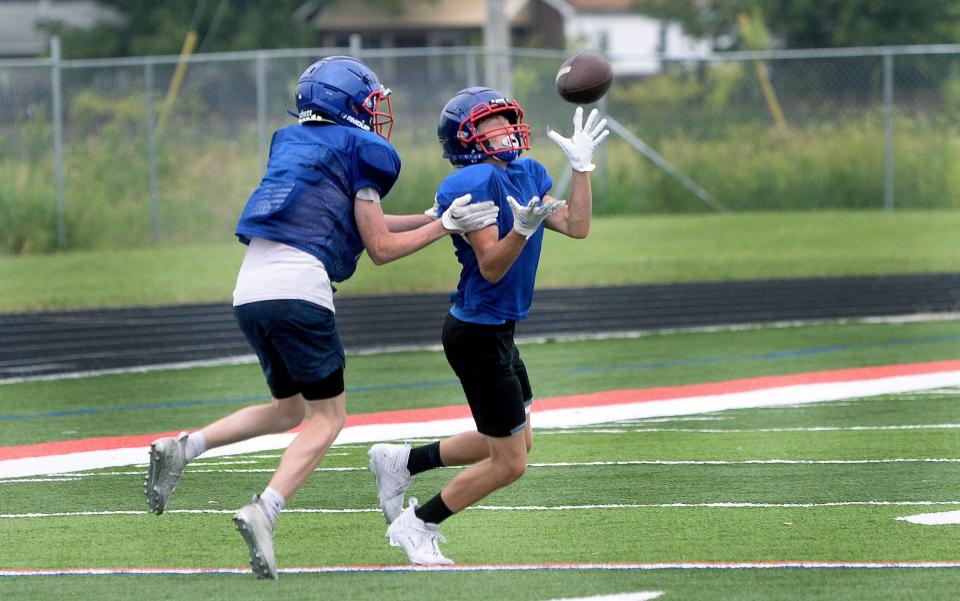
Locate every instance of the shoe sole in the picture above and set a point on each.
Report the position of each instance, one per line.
(260, 566)
(155, 500)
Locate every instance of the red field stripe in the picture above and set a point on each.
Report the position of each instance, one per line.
(593, 399)
(615, 397)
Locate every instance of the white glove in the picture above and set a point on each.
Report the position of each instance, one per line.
(464, 217)
(586, 137)
(434, 211)
(526, 219)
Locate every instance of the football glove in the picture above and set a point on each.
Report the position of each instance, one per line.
(586, 137)
(463, 217)
(526, 219)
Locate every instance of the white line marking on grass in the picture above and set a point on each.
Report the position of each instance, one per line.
(651, 420)
(772, 565)
(940, 518)
(753, 430)
(237, 360)
(717, 505)
(239, 462)
(672, 462)
(639, 596)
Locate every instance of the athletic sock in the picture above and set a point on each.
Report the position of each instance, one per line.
(272, 502)
(424, 458)
(196, 445)
(434, 511)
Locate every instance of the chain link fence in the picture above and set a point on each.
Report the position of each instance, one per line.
(110, 152)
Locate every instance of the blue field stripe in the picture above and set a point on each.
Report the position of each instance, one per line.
(196, 402)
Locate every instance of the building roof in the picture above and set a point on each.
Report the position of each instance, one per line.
(596, 6)
(349, 15)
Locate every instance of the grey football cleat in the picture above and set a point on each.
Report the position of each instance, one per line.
(256, 528)
(419, 540)
(388, 462)
(167, 460)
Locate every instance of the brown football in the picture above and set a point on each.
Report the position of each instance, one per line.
(584, 78)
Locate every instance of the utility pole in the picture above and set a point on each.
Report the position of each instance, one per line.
(496, 42)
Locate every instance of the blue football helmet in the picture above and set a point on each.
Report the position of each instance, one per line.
(344, 90)
(464, 144)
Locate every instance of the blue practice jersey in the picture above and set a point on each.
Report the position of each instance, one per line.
(305, 199)
(510, 298)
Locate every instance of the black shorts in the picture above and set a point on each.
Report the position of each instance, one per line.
(493, 376)
(298, 346)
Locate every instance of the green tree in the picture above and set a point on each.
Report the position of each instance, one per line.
(817, 23)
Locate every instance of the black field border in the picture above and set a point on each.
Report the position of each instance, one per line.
(46, 343)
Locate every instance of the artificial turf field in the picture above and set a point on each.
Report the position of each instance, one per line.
(653, 505)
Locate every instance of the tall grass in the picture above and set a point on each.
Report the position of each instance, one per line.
(204, 182)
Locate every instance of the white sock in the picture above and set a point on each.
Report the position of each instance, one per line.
(196, 445)
(272, 502)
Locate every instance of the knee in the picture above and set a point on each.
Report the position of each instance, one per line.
(509, 472)
(330, 417)
(290, 413)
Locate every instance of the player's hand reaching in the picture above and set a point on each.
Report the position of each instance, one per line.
(586, 137)
(464, 217)
(526, 219)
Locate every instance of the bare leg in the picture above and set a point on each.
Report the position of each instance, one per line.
(309, 447)
(279, 416)
(468, 448)
(506, 463)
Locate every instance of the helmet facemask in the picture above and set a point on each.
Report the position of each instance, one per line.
(380, 120)
(502, 143)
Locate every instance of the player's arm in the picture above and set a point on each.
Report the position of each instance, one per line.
(402, 223)
(384, 246)
(495, 255)
(574, 220)
(405, 223)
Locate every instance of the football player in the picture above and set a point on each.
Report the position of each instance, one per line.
(317, 208)
(483, 135)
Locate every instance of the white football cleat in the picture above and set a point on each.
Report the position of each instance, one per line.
(167, 460)
(256, 528)
(419, 540)
(388, 462)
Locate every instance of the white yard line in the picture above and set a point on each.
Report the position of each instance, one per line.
(755, 430)
(639, 596)
(72, 477)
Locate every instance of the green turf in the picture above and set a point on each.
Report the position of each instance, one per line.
(629, 249)
(851, 515)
